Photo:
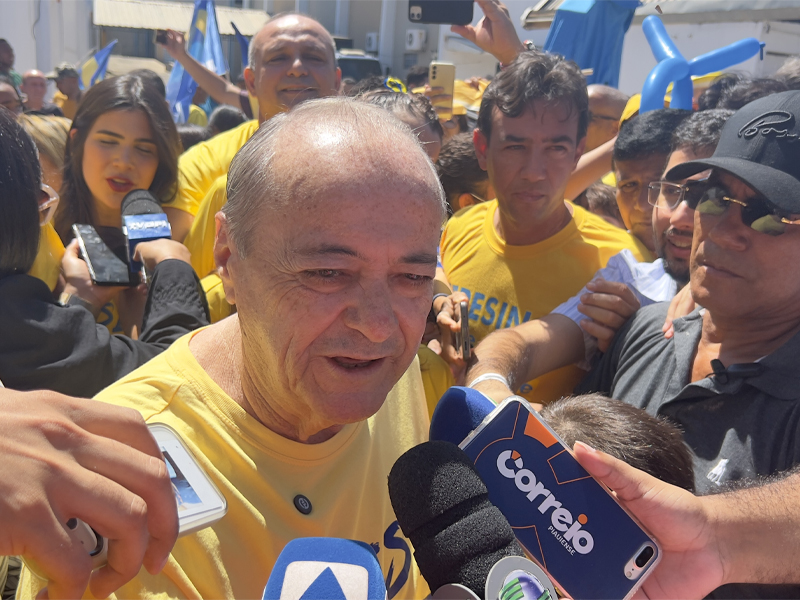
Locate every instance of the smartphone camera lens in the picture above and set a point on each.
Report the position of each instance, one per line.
(644, 556)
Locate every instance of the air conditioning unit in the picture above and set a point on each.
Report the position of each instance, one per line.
(415, 39)
(371, 44)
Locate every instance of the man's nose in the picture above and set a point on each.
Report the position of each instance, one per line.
(298, 67)
(372, 313)
(535, 167)
(682, 217)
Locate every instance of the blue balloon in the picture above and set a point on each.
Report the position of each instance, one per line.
(673, 68)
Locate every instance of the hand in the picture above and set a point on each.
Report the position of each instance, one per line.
(609, 306)
(680, 306)
(78, 281)
(496, 391)
(152, 253)
(176, 44)
(448, 318)
(442, 103)
(691, 564)
(69, 458)
(494, 33)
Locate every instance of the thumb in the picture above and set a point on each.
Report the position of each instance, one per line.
(628, 483)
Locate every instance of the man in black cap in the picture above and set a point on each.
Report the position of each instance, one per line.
(730, 378)
(69, 92)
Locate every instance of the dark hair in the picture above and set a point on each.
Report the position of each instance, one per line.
(366, 85)
(710, 97)
(535, 76)
(225, 117)
(20, 181)
(647, 134)
(151, 78)
(127, 92)
(745, 92)
(416, 76)
(701, 130)
(458, 168)
(650, 444)
(600, 199)
(192, 134)
(415, 105)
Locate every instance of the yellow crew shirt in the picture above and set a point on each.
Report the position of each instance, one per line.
(200, 239)
(260, 473)
(203, 163)
(197, 116)
(437, 377)
(68, 106)
(509, 285)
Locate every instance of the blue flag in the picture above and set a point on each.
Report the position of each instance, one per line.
(205, 46)
(243, 44)
(94, 68)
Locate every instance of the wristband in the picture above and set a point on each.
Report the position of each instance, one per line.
(487, 377)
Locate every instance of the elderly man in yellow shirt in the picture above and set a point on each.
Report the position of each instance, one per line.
(292, 59)
(313, 388)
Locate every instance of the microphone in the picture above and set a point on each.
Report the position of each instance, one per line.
(462, 543)
(459, 411)
(143, 220)
(735, 371)
(326, 569)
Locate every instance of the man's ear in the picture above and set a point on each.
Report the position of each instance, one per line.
(481, 144)
(464, 200)
(338, 80)
(224, 254)
(250, 81)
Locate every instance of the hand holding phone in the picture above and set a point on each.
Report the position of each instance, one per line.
(105, 267)
(569, 523)
(442, 79)
(495, 32)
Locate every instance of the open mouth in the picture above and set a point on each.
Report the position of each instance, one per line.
(354, 364)
(119, 184)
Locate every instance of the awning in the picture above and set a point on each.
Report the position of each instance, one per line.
(120, 65)
(151, 14)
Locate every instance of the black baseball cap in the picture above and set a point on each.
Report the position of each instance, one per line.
(759, 144)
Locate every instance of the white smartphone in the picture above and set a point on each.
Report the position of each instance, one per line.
(200, 502)
(443, 75)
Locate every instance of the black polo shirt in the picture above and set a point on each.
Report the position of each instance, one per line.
(738, 429)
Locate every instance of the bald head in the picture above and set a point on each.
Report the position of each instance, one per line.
(34, 86)
(332, 144)
(292, 59)
(605, 109)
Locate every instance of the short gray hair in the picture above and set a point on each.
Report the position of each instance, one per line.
(255, 184)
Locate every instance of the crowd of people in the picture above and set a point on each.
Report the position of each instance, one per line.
(300, 326)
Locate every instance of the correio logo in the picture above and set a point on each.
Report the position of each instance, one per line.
(561, 518)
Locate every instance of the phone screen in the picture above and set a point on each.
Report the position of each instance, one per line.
(450, 12)
(466, 346)
(105, 267)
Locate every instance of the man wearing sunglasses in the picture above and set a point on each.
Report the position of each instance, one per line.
(730, 376)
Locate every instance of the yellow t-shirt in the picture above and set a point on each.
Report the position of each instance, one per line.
(436, 376)
(68, 107)
(200, 239)
(201, 164)
(218, 305)
(508, 285)
(197, 116)
(260, 473)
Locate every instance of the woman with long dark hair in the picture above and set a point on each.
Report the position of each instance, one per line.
(122, 139)
(53, 345)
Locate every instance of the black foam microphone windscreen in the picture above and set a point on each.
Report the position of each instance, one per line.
(140, 202)
(443, 507)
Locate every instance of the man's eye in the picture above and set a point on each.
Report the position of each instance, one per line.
(324, 273)
(416, 279)
(629, 187)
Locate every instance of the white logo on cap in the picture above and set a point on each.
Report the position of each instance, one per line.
(301, 574)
